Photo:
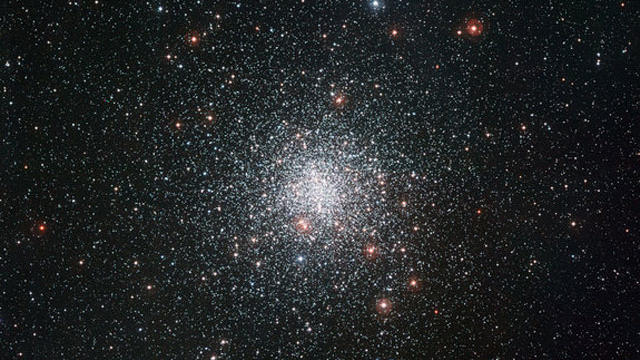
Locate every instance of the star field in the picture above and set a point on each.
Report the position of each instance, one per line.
(319, 180)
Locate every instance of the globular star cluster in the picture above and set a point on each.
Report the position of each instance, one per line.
(319, 180)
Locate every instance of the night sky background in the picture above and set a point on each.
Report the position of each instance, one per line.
(320, 180)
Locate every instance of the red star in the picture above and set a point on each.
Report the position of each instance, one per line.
(371, 252)
(414, 284)
(302, 224)
(193, 38)
(339, 101)
(384, 306)
(474, 27)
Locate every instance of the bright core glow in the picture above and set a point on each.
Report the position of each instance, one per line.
(315, 191)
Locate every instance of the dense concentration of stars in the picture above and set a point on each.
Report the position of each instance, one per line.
(368, 179)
